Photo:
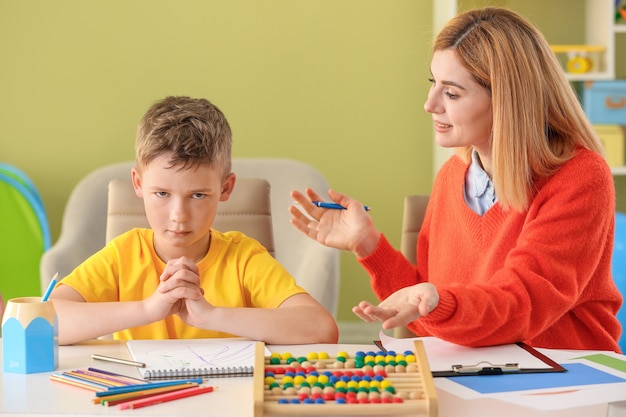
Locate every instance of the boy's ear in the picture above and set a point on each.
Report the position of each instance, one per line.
(228, 186)
(137, 185)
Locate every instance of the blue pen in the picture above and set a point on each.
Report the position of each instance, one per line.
(323, 204)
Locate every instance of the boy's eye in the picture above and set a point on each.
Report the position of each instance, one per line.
(161, 194)
(198, 196)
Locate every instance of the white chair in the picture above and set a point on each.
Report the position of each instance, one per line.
(314, 266)
(412, 219)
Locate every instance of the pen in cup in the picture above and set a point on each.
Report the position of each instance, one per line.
(118, 360)
(325, 205)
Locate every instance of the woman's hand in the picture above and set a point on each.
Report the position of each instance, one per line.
(402, 307)
(351, 229)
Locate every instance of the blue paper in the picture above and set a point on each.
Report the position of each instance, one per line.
(577, 374)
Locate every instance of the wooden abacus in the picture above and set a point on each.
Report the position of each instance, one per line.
(413, 391)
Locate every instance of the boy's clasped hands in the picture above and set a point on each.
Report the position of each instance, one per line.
(179, 292)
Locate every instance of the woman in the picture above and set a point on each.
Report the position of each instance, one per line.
(517, 240)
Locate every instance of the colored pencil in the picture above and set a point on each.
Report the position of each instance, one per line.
(121, 377)
(158, 399)
(77, 382)
(116, 399)
(141, 387)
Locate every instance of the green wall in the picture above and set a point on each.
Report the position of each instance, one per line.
(339, 84)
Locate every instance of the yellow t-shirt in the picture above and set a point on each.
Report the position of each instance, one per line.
(237, 271)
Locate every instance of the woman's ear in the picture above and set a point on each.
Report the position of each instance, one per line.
(228, 186)
(136, 177)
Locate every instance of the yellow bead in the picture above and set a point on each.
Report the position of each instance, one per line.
(311, 379)
(410, 358)
(287, 379)
(364, 384)
(298, 379)
(353, 384)
(342, 355)
(269, 380)
(311, 356)
(322, 379)
(341, 384)
(322, 355)
(275, 355)
(385, 383)
(400, 358)
(286, 355)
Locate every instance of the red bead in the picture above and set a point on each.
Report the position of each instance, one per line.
(303, 396)
(279, 370)
(398, 400)
(329, 396)
(363, 401)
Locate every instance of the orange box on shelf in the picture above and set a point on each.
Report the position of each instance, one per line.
(612, 137)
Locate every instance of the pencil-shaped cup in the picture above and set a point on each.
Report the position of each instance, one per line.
(30, 336)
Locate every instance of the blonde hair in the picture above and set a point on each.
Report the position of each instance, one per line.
(538, 121)
(193, 130)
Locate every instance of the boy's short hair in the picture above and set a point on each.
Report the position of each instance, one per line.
(193, 130)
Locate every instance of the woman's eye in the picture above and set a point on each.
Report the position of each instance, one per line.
(451, 96)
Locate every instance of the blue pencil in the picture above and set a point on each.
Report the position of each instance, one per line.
(53, 282)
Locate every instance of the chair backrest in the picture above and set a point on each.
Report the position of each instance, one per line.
(412, 218)
(247, 210)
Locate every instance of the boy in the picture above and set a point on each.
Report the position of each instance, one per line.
(181, 278)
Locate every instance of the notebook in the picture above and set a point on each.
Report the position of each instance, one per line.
(194, 358)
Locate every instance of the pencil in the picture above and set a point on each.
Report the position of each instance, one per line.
(141, 387)
(170, 396)
(118, 360)
(116, 399)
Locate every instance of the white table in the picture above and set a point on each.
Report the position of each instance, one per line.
(35, 394)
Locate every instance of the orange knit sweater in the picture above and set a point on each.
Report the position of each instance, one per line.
(542, 276)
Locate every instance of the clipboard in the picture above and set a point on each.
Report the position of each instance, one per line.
(459, 368)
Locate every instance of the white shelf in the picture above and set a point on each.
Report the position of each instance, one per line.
(618, 170)
(590, 76)
(620, 28)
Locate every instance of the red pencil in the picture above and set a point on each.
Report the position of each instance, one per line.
(157, 399)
